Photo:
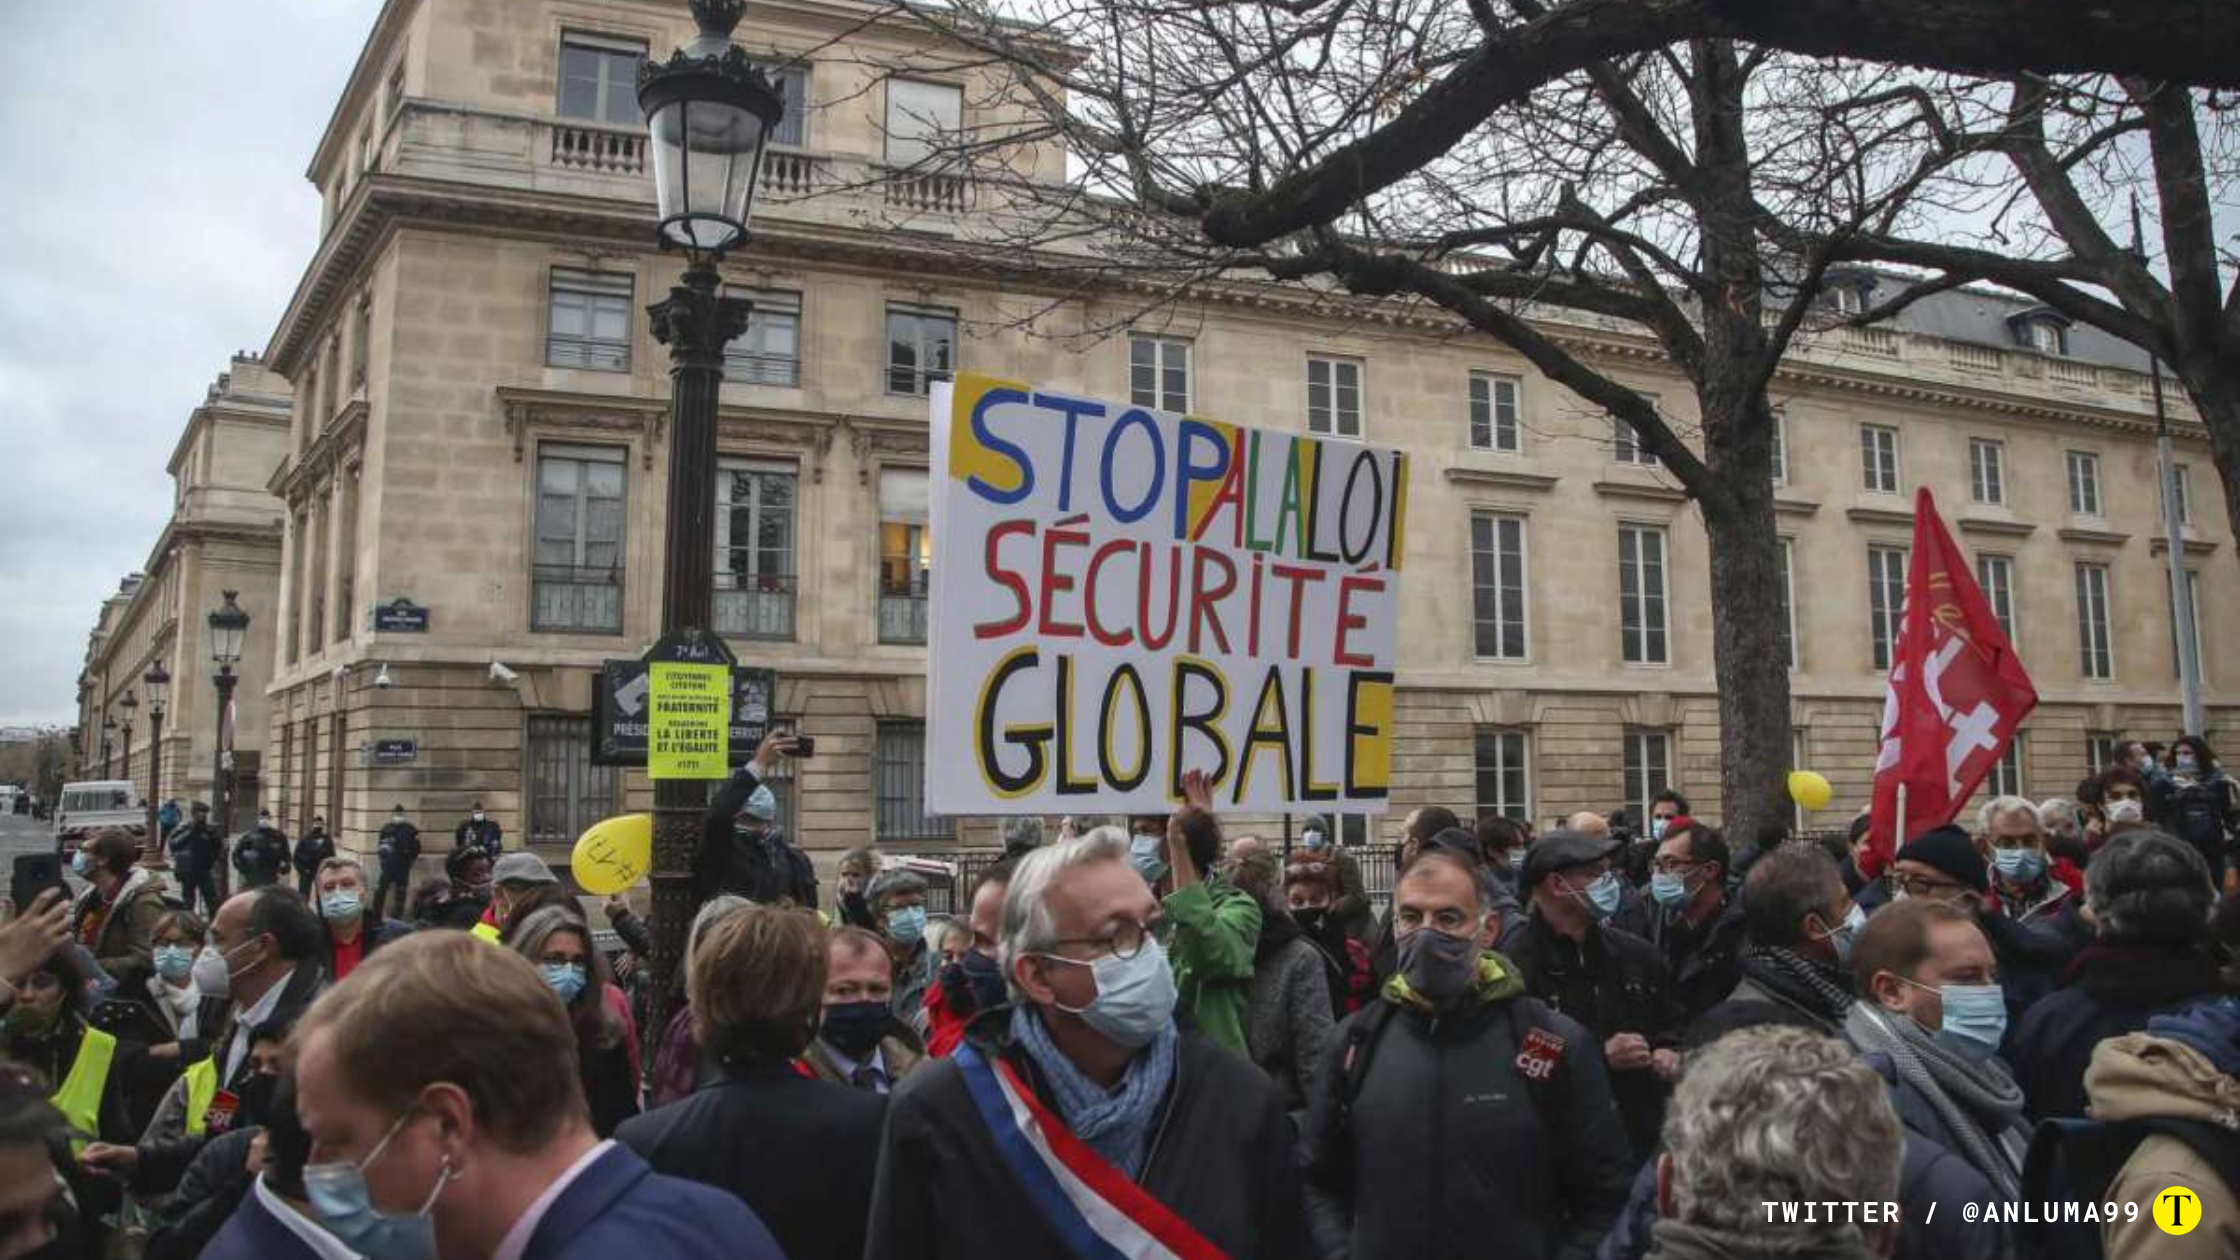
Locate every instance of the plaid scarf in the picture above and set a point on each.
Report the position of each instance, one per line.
(1116, 1124)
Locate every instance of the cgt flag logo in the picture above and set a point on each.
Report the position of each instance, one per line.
(2177, 1210)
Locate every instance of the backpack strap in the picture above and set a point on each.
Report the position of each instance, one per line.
(1361, 1044)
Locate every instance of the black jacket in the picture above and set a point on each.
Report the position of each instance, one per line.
(1444, 1151)
(486, 835)
(609, 1087)
(163, 1161)
(756, 864)
(2110, 990)
(1706, 962)
(1611, 982)
(802, 1153)
(311, 849)
(2033, 956)
(397, 848)
(195, 848)
(1220, 1158)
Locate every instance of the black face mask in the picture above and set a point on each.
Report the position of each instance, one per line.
(985, 977)
(1311, 919)
(854, 1028)
(1439, 967)
(256, 1098)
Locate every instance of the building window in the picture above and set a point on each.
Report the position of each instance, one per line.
(330, 380)
(1648, 769)
(599, 79)
(1780, 443)
(1493, 412)
(577, 584)
(1626, 447)
(921, 348)
(905, 555)
(1878, 458)
(2084, 483)
(1845, 298)
(2005, 778)
(792, 83)
(2185, 494)
(1497, 585)
(590, 320)
(1159, 373)
(567, 794)
(1786, 627)
(2094, 655)
(755, 575)
(393, 96)
(2101, 749)
(1333, 396)
(769, 351)
(1987, 482)
(1995, 575)
(2047, 337)
(361, 341)
(1886, 600)
(1504, 781)
(2193, 592)
(898, 769)
(919, 116)
(1642, 621)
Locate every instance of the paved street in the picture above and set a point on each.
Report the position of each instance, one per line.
(20, 833)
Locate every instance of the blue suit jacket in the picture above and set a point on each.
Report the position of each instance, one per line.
(254, 1233)
(621, 1207)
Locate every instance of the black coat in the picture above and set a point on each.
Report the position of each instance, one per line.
(2033, 956)
(802, 1153)
(755, 863)
(311, 849)
(609, 1086)
(1220, 1158)
(1705, 963)
(486, 835)
(1446, 1154)
(398, 848)
(195, 848)
(1611, 982)
(2110, 990)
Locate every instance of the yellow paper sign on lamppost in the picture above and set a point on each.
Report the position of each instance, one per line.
(688, 733)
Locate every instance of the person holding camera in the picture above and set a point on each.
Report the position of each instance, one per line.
(742, 849)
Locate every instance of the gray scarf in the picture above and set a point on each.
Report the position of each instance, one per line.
(1959, 1090)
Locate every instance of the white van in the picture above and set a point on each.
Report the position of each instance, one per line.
(96, 803)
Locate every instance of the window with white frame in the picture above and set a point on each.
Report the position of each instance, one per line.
(756, 577)
(1987, 478)
(921, 348)
(589, 325)
(1786, 627)
(1643, 624)
(1648, 768)
(2102, 749)
(1497, 564)
(921, 118)
(1493, 412)
(905, 555)
(393, 96)
(1504, 779)
(361, 340)
(2048, 337)
(1159, 373)
(1333, 396)
(2005, 778)
(1886, 600)
(577, 581)
(792, 82)
(2095, 651)
(1780, 441)
(1995, 576)
(2193, 630)
(1625, 444)
(769, 351)
(599, 79)
(2084, 483)
(1878, 458)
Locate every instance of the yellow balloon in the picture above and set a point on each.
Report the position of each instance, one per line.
(614, 854)
(1809, 789)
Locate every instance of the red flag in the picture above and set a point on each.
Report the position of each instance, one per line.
(1958, 693)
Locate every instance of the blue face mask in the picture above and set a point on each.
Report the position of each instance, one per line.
(762, 804)
(1658, 826)
(1516, 858)
(173, 962)
(1841, 938)
(342, 906)
(565, 979)
(1975, 1012)
(1146, 854)
(907, 926)
(344, 1204)
(1135, 996)
(1605, 894)
(79, 866)
(2019, 866)
(1668, 888)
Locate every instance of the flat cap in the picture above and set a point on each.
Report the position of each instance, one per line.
(1560, 851)
(518, 867)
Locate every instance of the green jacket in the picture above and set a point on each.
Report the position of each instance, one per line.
(1216, 929)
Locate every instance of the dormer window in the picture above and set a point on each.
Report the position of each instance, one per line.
(1846, 292)
(2041, 329)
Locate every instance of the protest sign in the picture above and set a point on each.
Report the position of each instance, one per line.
(689, 721)
(1120, 595)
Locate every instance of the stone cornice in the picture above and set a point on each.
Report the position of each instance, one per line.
(1878, 516)
(522, 410)
(1995, 526)
(2095, 537)
(2160, 545)
(340, 446)
(1502, 479)
(1795, 507)
(869, 438)
(747, 428)
(1640, 490)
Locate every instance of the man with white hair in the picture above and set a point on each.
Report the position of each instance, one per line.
(1778, 1116)
(1087, 1122)
(2032, 915)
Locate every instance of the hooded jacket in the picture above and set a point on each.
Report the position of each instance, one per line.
(2141, 1076)
(2110, 989)
(124, 946)
(1443, 1151)
(1216, 929)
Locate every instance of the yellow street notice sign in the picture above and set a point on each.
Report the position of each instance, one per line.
(688, 721)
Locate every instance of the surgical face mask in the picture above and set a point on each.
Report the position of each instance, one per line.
(565, 979)
(2186, 763)
(762, 804)
(854, 1028)
(213, 974)
(1147, 855)
(79, 865)
(1135, 996)
(396, 818)
(477, 815)
(343, 1202)
(1439, 967)
(1516, 857)
(342, 905)
(2124, 811)
(1603, 896)
(1975, 1012)
(264, 820)
(1668, 888)
(907, 926)
(1658, 826)
(173, 962)
(2019, 866)
(1841, 938)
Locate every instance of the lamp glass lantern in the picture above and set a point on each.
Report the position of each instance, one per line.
(709, 113)
(158, 682)
(131, 704)
(229, 625)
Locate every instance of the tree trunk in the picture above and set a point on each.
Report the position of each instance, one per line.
(1746, 628)
(2213, 383)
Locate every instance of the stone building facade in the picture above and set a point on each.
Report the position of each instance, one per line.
(478, 429)
(223, 535)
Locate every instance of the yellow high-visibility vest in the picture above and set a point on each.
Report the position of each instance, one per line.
(486, 932)
(79, 1099)
(202, 1090)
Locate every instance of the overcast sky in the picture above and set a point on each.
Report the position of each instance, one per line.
(156, 220)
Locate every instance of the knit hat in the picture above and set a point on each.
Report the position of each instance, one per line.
(1948, 849)
(518, 867)
(1458, 840)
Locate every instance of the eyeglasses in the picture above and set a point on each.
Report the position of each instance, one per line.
(1125, 942)
(1923, 886)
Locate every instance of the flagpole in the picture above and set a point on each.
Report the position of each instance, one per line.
(1898, 831)
(2173, 526)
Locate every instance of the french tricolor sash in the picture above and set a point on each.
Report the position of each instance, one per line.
(1094, 1207)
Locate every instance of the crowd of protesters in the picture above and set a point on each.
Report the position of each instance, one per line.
(1150, 1037)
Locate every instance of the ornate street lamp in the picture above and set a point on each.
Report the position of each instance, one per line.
(229, 626)
(158, 682)
(708, 112)
(131, 706)
(108, 737)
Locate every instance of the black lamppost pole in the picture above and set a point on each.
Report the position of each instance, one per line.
(131, 705)
(158, 682)
(108, 736)
(708, 111)
(228, 627)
